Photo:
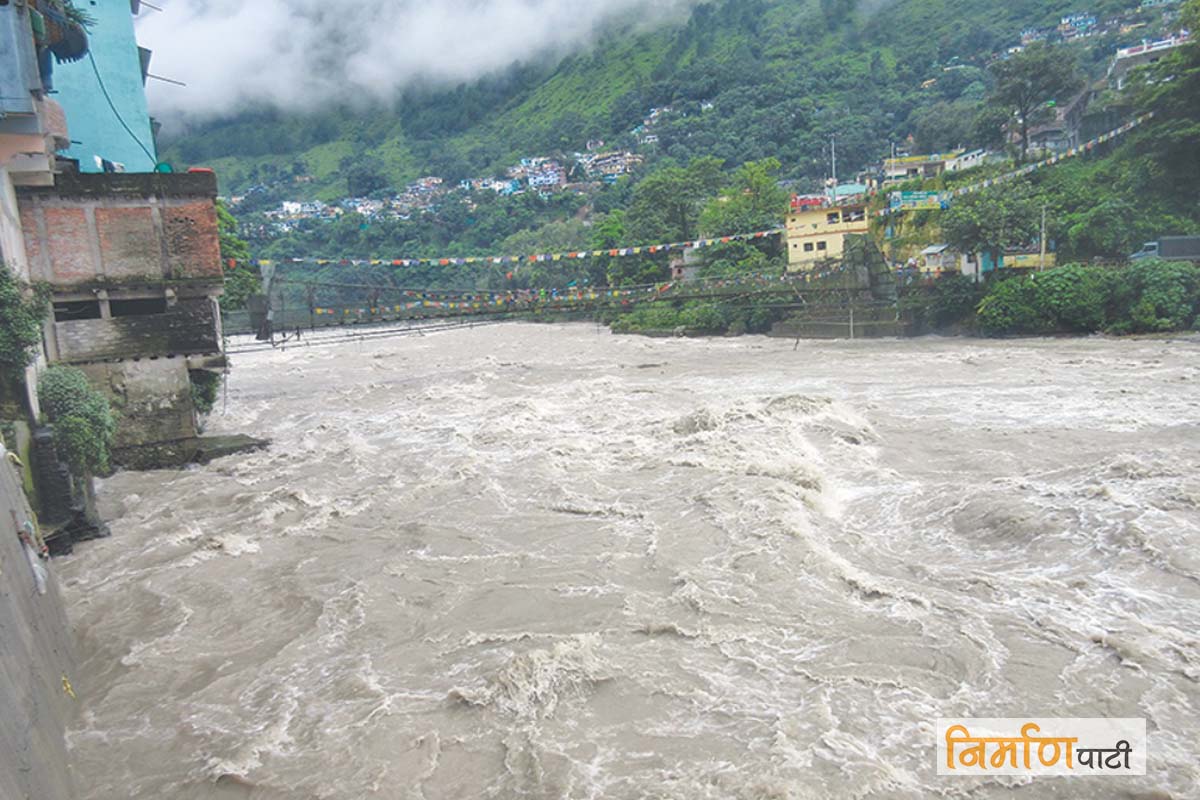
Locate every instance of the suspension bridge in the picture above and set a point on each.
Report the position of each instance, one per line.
(294, 306)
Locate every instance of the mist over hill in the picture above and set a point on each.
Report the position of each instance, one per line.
(305, 56)
(745, 79)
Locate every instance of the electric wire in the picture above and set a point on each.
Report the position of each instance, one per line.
(116, 113)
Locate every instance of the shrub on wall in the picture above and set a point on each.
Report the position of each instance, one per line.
(21, 316)
(83, 420)
(205, 386)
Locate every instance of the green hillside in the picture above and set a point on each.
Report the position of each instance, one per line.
(757, 87)
(747, 79)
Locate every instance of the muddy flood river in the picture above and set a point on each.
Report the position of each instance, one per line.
(529, 561)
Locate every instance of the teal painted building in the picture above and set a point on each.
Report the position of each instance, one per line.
(107, 115)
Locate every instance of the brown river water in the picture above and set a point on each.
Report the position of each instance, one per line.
(528, 561)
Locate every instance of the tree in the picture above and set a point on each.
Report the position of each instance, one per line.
(241, 279)
(666, 204)
(987, 129)
(609, 232)
(942, 126)
(1029, 82)
(363, 175)
(558, 236)
(1106, 229)
(753, 202)
(991, 221)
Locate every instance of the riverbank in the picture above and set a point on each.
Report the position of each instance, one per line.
(37, 667)
(1145, 297)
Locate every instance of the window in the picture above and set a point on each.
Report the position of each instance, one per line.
(833, 218)
(83, 309)
(820, 245)
(138, 308)
(808, 247)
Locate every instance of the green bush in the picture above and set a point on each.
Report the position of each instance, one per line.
(1147, 297)
(1152, 296)
(704, 317)
(1075, 298)
(760, 319)
(647, 318)
(205, 386)
(21, 319)
(83, 420)
(1010, 307)
(954, 300)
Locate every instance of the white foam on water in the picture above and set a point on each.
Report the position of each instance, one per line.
(541, 561)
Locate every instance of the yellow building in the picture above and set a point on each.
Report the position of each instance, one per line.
(1030, 261)
(817, 231)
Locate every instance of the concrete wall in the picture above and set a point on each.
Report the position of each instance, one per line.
(12, 257)
(96, 125)
(188, 328)
(36, 663)
(12, 240)
(152, 396)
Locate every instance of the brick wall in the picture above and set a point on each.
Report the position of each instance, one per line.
(193, 242)
(112, 230)
(188, 328)
(128, 239)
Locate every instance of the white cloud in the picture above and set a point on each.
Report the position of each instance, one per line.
(301, 54)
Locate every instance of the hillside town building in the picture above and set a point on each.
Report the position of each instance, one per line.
(1141, 55)
(817, 227)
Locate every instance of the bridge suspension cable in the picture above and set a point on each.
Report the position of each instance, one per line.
(496, 260)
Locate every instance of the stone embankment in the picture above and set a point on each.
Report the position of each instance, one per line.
(36, 664)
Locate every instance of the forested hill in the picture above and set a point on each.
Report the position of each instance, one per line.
(746, 79)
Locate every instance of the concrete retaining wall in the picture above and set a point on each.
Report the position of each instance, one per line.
(36, 666)
(153, 398)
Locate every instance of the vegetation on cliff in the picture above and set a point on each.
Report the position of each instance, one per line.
(1147, 297)
(241, 280)
(22, 313)
(83, 420)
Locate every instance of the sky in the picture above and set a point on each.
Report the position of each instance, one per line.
(297, 55)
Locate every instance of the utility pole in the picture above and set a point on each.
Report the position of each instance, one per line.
(833, 156)
(1042, 260)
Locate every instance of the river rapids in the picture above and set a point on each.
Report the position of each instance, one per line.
(544, 561)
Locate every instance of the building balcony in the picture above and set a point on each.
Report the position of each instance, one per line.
(32, 127)
(20, 79)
